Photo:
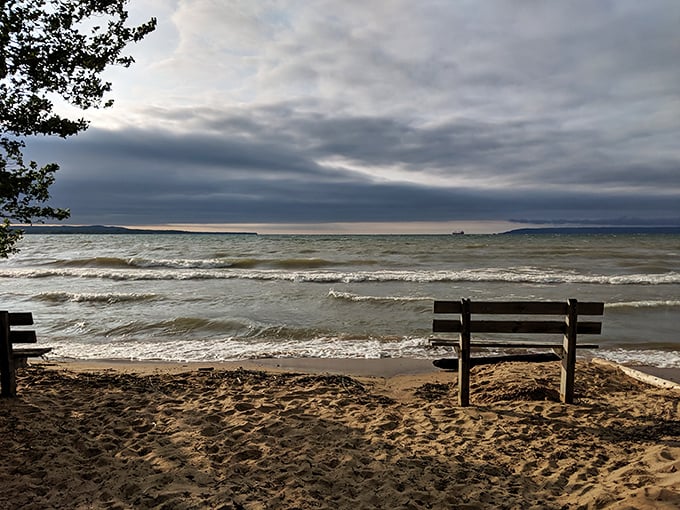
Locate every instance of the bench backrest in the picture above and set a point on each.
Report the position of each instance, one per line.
(20, 336)
(8, 336)
(467, 308)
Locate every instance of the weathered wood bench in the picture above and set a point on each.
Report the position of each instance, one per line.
(10, 358)
(569, 327)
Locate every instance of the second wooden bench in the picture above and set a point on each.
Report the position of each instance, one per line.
(11, 358)
(570, 327)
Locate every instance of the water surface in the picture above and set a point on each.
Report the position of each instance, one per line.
(225, 297)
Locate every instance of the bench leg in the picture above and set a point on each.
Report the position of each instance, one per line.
(464, 356)
(7, 371)
(569, 356)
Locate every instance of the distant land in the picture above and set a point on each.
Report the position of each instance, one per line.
(595, 230)
(101, 229)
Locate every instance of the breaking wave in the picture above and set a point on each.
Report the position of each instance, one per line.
(654, 358)
(215, 263)
(271, 346)
(510, 275)
(107, 298)
(179, 326)
(644, 304)
(348, 296)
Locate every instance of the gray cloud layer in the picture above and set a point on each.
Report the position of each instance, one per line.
(355, 111)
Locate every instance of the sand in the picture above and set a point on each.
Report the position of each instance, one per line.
(271, 435)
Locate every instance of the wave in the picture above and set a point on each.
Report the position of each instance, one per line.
(108, 262)
(208, 330)
(302, 263)
(644, 304)
(251, 263)
(297, 263)
(512, 275)
(186, 349)
(141, 263)
(245, 263)
(651, 357)
(119, 275)
(107, 298)
(180, 326)
(216, 263)
(224, 330)
(241, 349)
(348, 296)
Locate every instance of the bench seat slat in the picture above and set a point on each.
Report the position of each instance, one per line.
(519, 307)
(528, 327)
(31, 352)
(22, 337)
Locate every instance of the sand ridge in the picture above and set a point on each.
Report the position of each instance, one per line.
(251, 439)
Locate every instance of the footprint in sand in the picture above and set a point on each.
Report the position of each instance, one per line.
(248, 454)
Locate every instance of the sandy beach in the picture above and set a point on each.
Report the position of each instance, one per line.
(322, 434)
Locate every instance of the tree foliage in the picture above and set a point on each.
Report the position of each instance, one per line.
(51, 49)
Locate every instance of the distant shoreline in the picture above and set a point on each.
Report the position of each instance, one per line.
(111, 230)
(595, 230)
(101, 229)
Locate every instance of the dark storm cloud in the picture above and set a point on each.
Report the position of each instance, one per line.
(160, 176)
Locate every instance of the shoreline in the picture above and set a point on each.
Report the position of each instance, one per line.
(352, 367)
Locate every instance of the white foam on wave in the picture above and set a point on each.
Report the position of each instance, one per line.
(510, 275)
(349, 296)
(645, 304)
(107, 298)
(229, 349)
(652, 358)
(239, 349)
(182, 263)
(119, 275)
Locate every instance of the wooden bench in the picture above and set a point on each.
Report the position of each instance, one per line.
(569, 327)
(10, 358)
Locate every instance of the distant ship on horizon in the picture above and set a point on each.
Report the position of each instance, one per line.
(457, 233)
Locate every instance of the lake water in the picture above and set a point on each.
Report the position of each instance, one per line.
(226, 297)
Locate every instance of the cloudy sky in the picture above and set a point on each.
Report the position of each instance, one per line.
(344, 112)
